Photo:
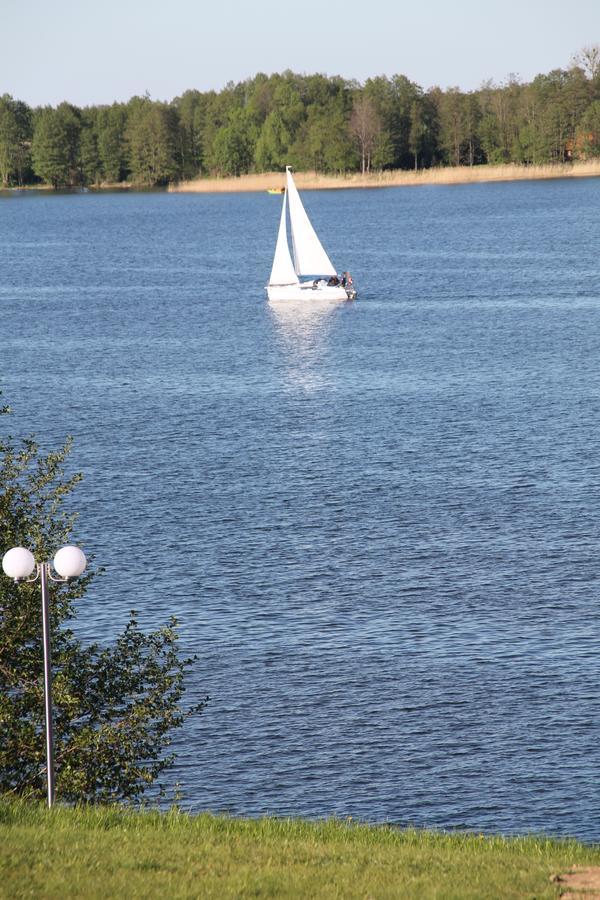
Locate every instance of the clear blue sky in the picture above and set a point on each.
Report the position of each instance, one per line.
(96, 52)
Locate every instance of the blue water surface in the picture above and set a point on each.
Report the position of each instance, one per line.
(378, 522)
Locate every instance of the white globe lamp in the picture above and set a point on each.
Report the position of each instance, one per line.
(18, 563)
(70, 562)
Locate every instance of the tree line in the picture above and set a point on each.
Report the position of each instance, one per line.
(313, 122)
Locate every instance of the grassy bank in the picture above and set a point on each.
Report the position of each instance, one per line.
(112, 852)
(449, 175)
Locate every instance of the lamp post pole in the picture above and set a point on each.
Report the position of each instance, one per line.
(19, 563)
(43, 573)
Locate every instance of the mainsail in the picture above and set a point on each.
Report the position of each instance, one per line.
(283, 272)
(309, 256)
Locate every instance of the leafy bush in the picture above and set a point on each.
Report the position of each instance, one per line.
(116, 707)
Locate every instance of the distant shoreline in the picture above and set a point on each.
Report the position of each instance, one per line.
(308, 181)
(313, 181)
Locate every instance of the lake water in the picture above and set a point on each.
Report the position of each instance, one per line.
(378, 522)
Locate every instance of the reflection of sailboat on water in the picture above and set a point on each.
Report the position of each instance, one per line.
(303, 330)
(310, 260)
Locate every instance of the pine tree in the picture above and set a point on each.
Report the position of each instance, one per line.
(51, 150)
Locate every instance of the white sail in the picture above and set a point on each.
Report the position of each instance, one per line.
(283, 268)
(309, 256)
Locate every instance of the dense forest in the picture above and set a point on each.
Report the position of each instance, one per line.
(314, 122)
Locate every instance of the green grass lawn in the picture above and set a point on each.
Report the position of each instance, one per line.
(113, 852)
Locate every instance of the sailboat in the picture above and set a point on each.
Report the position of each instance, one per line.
(310, 263)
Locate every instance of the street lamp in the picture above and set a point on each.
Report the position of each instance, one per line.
(19, 564)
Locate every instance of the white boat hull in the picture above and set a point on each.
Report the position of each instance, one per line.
(307, 292)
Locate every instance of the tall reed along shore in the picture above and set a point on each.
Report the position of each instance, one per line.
(308, 181)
